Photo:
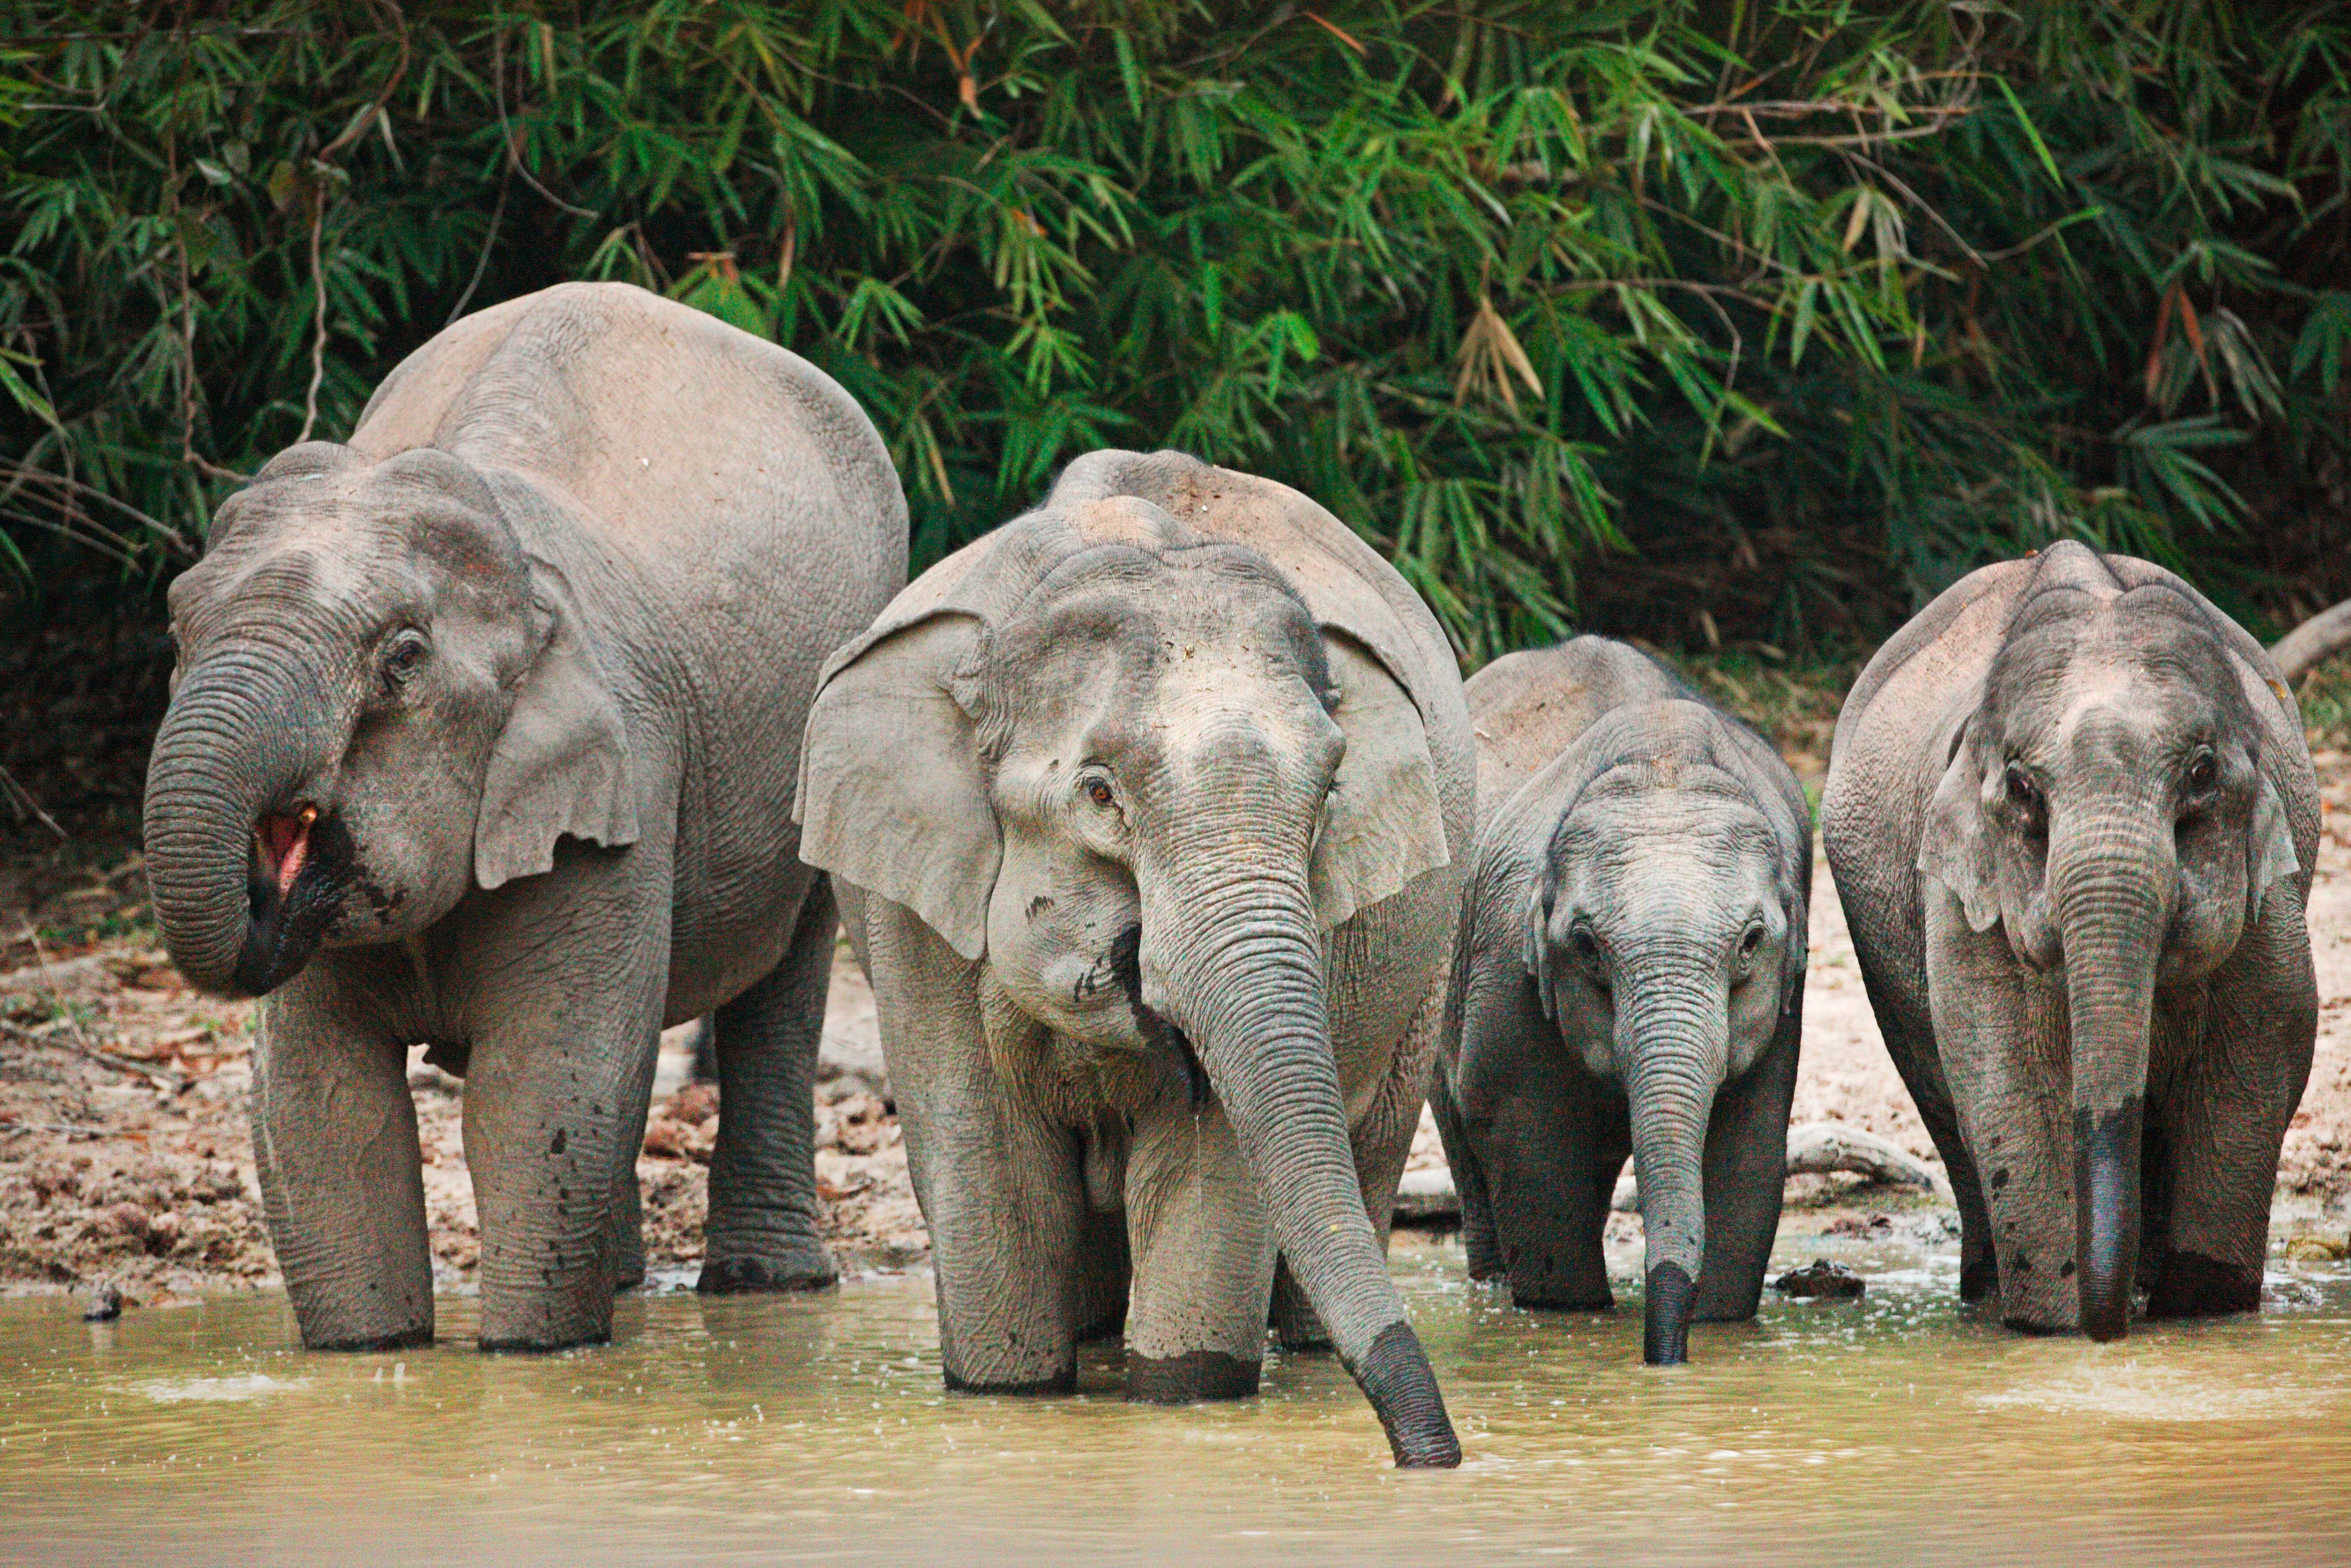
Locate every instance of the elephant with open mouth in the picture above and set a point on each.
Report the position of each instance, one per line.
(484, 736)
(1629, 980)
(1144, 811)
(2072, 815)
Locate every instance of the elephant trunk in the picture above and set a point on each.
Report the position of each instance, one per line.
(1247, 988)
(239, 739)
(2112, 890)
(1672, 1030)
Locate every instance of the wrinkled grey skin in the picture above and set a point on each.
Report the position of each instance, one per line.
(2071, 816)
(1629, 979)
(531, 654)
(1145, 810)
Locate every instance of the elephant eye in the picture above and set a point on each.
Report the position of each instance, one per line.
(403, 656)
(2203, 770)
(1751, 941)
(2021, 787)
(1099, 792)
(1587, 946)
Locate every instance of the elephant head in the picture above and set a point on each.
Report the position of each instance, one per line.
(1665, 936)
(380, 702)
(2105, 804)
(1141, 773)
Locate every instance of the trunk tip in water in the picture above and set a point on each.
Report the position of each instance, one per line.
(2106, 1215)
(1395, 1377)
(1666, 1315)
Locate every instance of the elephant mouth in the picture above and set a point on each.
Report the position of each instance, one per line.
(302, 866)
(1164, 1037)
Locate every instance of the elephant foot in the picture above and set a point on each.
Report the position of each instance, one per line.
(405, 1339)
(1543, 1296)
(1190, 1378)
(1979, 1280)
(1064, 1381)
(2194, 1286)
(534, 1322)
(810, 1269)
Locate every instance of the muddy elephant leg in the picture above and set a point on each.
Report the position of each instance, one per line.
(334, 1137)
(1001, 1187)
(2004, 1039)
(2225, 1118)
(1903, 1017)
(1746, 1176)
(1381, 1143)
(1204, 1258)
(762, 1234)
(1477, 1239)
(624, 1236)
(1103, 1275)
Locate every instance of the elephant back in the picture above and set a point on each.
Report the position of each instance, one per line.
(1528, 706)
(699, 450)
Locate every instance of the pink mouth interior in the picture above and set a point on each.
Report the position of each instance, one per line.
(285, 844)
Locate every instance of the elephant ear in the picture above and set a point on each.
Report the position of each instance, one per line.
(1955, 849)
(894, 792)
(562, 763)
(1381, 823)
(2269, 850)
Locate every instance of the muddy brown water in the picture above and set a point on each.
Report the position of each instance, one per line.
(1894, 1429)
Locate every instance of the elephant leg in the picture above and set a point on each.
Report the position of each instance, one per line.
(1553, 1157)
(1103, 1275)
(334, 1137)
(1746, 1174)
(1204, 1258)
(1905, 1019)
(2225, 1117)
(624, 1236)
(1001, 1185)
(762, 1234)
(2005, 1050)
(554, 1116)
(1381, 1143)
(1477, 1239)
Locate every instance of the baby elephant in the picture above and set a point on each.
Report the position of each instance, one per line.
(2071, 812)
(1629, 978)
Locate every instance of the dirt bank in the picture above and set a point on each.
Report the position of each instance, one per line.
(125, 1154)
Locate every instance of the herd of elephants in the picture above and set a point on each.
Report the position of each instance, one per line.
(582, 693)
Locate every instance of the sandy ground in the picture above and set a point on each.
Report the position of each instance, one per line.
(124, 1155)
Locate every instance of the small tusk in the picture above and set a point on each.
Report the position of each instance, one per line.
(308, 815)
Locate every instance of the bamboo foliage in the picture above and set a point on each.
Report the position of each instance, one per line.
(1792, 311)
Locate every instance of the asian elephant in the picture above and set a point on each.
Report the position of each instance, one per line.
(1144, 811)
(2072, 815)
(484, 735)
(1629, 979)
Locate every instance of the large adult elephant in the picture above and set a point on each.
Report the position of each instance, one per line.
(2072, 815)
(485, 734)
(1145, 810)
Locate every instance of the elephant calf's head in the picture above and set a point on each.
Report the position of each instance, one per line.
(380, 700)
(1667, 938)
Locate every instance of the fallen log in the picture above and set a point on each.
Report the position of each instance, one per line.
(2313, 643)
(1426, 1196)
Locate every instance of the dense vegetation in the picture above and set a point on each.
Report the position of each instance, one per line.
(1745, 320)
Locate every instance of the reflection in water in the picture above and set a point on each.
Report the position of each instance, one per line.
(1894, 1428)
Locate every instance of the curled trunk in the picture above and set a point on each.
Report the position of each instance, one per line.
(1246, 986)
(2111, 906)
(238, 741)
(1671, 1030)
